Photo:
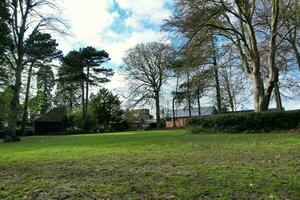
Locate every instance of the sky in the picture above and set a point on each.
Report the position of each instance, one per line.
(116, 26)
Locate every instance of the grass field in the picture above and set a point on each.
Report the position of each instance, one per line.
(152, 165)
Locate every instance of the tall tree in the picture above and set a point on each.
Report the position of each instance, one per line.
(237, 22)
(45, 85)
(85, 67)
(5, 43)
(92, 61)
(40, 50)
(26, 17)
(146, 66)
(72, 78)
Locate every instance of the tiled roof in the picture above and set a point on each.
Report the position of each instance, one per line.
(55, 115)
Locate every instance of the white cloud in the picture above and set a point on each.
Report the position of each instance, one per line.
(151, 10)
(88, 19)
(117, 49)
(93, 21)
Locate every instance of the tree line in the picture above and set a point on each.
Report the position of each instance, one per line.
(231, 50)
(228, 51)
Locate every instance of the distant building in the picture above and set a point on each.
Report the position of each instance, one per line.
(141, 119)
(182, 115)
(55, 121)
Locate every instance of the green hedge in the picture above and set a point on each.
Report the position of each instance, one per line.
(246, 122)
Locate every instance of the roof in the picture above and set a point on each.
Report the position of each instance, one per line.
(185, 112)
(149, 121)
(55, 115)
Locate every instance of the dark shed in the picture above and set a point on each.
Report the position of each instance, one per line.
(54, 121)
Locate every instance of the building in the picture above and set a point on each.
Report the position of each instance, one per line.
(55, 121)
(141, 119)
(182, 116)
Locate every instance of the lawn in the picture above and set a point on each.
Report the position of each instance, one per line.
(152, 165)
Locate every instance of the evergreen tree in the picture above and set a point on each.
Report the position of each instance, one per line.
(106, 107)
(84, 68)
(45, 84)
(40, 49)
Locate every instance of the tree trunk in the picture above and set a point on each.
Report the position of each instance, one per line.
(189, 94)
(230, 96)
(216, 76)
(173, 110)
(12, 136)
(258, 93)
(25, 109)
(277, 96)
(199, 102)
(157, 105)
(83, 103)
(87, 98)
(297, 54)
(218, 89)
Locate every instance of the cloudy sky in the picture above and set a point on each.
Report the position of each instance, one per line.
(113, 25)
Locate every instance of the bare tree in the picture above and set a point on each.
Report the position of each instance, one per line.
(146, 66)
(238, 22)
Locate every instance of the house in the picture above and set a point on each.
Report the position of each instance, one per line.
(55, 121)
(141, 119)
(182, 116)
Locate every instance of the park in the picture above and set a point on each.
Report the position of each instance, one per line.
(140, 99)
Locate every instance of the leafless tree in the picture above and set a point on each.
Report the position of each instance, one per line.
(239, 23)
(147, 68)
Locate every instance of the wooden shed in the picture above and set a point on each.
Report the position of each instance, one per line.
(55, 121)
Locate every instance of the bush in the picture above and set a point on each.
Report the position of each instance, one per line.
(246, 122)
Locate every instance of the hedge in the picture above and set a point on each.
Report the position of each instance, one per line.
(246, 122)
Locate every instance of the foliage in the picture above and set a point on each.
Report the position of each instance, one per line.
(34, 105)
(5, 40)
(5, 97)
(74, 120)
(152, 165)
(246, 122)
(82, 69)
(106, 107)
(41, 48)
(45, 85)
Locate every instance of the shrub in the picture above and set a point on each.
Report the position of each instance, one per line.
(246, 122)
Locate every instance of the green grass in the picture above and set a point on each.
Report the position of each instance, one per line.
(152, 165)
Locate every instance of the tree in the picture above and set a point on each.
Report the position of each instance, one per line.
(92, 61)
(5, 96)
(237, 22)
(40, 50)
(5, 40)
(72, 78)
(45, 84)
(146, 66)
(26, 17)
(106, 107)
(68, 94)
(5, 43)
(84, 67)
